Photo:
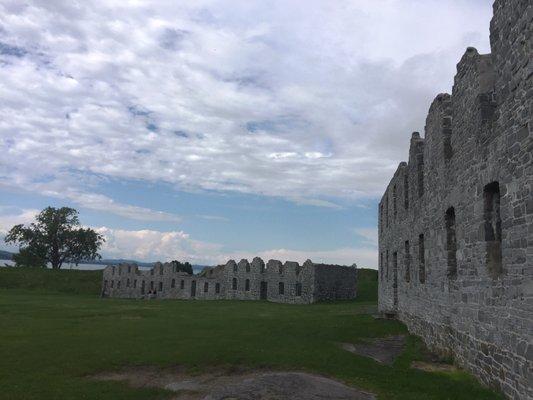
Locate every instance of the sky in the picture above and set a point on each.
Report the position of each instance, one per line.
(210, 130)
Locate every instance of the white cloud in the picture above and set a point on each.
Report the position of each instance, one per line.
(11, 216)
(213, 218)
(266, 98)
(103, 203)
(66, 189)
(151, 245)
(314, 202)
(369, 235)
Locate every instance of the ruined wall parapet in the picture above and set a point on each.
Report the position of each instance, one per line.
(456, 221)
(287, 282)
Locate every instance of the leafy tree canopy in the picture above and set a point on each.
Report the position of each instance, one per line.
(182, 267)
(55, 237)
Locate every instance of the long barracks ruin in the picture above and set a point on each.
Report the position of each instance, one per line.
(456, 220)
(273, 281)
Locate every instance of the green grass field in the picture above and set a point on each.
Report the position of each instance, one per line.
(55, 331)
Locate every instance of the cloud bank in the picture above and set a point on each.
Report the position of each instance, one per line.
(312, 102)
(307, 103)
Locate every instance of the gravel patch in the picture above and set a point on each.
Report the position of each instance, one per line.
(241, 385)
(383, 350)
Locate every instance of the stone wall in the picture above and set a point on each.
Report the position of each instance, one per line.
(274, 281)
(334, 283)
(456, 220)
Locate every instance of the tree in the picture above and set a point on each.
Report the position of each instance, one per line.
(28, 257)
(55, 237)
(182, 267)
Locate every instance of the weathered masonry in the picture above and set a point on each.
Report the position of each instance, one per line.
(273, 281)
(456, 220)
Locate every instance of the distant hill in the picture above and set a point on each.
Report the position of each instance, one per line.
(196, 268)
(6, 255)
(108, 261)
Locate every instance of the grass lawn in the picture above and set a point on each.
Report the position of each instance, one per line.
(52, 338)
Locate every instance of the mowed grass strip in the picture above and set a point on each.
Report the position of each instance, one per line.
(50, 342)
(70, 281)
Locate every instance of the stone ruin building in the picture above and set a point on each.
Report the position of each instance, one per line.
(273, 281)
(456, 220)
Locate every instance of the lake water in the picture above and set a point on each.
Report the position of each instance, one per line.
(10, 263)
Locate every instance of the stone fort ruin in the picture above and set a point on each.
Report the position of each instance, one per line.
(456, 220)
(273, 281)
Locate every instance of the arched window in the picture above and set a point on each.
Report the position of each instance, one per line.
(206, 287)
(298, 289)
(493, 228)
(135, 283)
(451, 243)
(235, 266)
(234, 284)
(217, 288)
(173, 283)
(281, 288)
(247, 267)
(420, 170)
(247, 285)
(118, 284)
(182, 284)
(447, 138)
(421, 259)
(112, 284)
(407, 261)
